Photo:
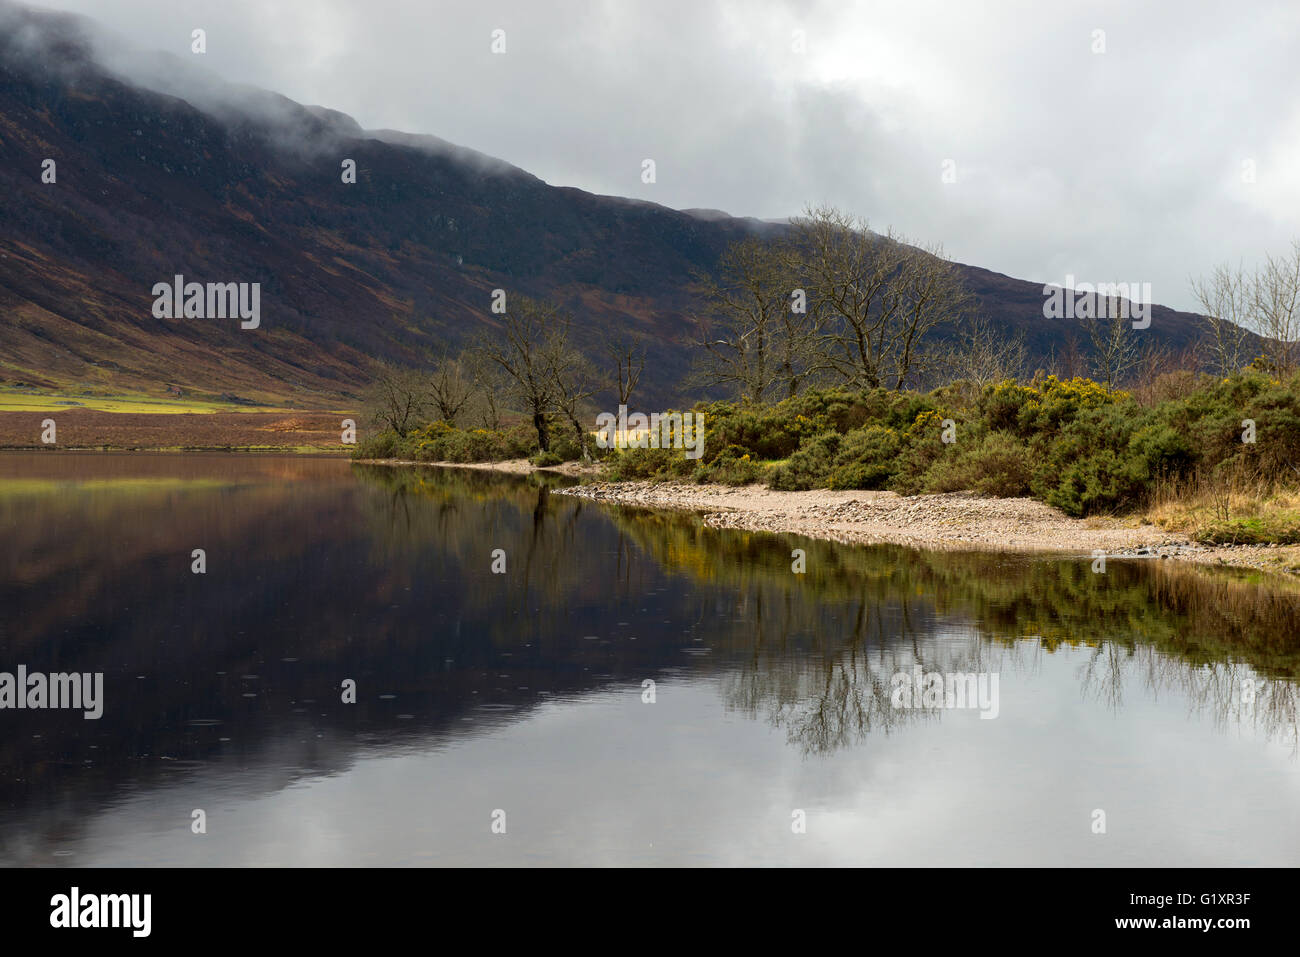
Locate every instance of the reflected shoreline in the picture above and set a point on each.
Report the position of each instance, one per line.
(319, 570)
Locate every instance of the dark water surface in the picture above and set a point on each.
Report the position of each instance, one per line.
(523, 692)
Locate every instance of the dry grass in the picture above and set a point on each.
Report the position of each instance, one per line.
(1226, 508)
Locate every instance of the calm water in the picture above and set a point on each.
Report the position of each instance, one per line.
(523, 692)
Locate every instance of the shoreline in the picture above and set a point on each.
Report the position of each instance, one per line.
(92, 430)
(505, 466)
(953, 521)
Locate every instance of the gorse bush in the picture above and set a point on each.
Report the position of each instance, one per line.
(810, 466)
(628, 465)
(734, 466)
(997, 464)
(381, 446)
(546, 459)
(1070, 443)
(866, 458)
(440, 442)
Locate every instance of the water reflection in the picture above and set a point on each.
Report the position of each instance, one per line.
(228, 683)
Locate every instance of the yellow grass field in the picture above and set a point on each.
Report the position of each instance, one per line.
(21, 401)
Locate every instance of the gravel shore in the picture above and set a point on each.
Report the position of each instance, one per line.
(957, 521)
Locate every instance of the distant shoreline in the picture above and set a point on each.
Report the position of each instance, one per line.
(86, 430)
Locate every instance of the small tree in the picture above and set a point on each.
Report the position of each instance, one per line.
(573, 382)
(450, 389)
(1276, 302)
(1115, 348)
(628, 355)
(742, 322)
(1226, 302)
(876, 297)
(1069, 361)
(981, 354)
(929, 292)
(521, 350)
(396, 398)
(490, 384)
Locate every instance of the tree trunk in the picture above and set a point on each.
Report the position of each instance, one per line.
(543, 440)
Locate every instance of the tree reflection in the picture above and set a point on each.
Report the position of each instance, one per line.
(821, 667)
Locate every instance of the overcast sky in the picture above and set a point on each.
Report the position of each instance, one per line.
(1128, 165)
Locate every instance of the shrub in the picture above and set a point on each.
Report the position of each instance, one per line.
(808, 467)
(733, 466)
(1001, 403)
(565, 444)
(381, 446)
(999, 464)
(1067, 442)
(923, 446)
(770, 433)
(440, 442)
(866, 458)
(627, 465)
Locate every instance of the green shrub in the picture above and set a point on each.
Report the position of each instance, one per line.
(810, 466)
(923, 446)
(733, 466)
(546, 459)
(627, 465)
(866, 458)
(565, 444)
(381, 446)
(997, 464)
(440, 442)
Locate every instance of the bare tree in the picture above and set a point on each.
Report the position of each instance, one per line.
(1276, 303)
(1069, 362)
(490, 384)
(573, 380)
(877, 296)
(628, 354)
(1226, 302)
(521, 352)
(1115, 349)
(450, 389)
(742, 324)
(848, 270)
(931, 293)
(982, 354)
(396, 398)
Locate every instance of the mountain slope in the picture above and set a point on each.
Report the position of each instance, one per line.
(222, 183)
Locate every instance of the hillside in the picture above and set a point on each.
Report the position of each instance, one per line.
(220, 183)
